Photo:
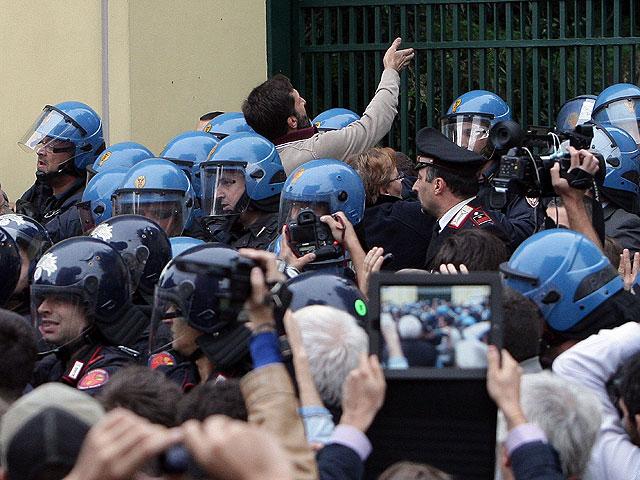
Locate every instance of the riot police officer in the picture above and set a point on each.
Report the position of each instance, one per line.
(67, 138)
(468, 123)
(241, 184)
(619, 105)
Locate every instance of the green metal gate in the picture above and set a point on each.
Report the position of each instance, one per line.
(535, 54)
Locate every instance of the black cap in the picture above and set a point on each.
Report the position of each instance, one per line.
(437, 150)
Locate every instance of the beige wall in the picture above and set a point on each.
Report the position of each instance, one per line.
(168, 63)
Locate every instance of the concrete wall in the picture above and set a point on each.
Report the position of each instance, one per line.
(149, 67)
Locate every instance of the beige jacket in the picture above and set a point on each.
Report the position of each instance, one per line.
(271, 402)
(356, 137)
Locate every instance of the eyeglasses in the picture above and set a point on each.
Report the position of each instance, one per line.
(399, 177)
(55, 147)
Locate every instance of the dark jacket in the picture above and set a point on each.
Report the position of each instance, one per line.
(536, 461)
(88, 369)
(57, 213)
(623, 226)
(401, 228)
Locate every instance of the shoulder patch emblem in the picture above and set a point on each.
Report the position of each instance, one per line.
(460, 217)
(480, 217)
(93, 379)
(161, 359)
(532, 201)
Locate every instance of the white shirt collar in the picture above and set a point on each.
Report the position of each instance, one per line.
(449, 214)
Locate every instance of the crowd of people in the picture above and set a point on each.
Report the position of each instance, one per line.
(203, 312)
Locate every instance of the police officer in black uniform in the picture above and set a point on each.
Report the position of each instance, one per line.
(80, 300)
(67, 139)
(199, 297)
(447, 188)
(241, 184)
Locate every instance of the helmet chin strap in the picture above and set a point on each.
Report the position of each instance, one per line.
(65, 168)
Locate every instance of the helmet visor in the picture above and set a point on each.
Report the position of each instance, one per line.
(52, 129)
(574, 113)
(168, 323)
(624, 113)
(223, 189)
(167, 209)
(468, 131)
(290, 208)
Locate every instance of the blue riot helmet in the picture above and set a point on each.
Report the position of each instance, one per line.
(95, 206)
(91, 276)
(619, 105)
(180, 244)
(67, 127)
(142, 244)
(574, 112)
(321, 288)
(10, 264)
(159, 190)
(565, 274)
(188, 150)
(470, 118)
(622, 161)
(334, 119)
(119, 155)
(204, 288)
(31, 238)
(325, 186)
(227, 124)
(243, 171)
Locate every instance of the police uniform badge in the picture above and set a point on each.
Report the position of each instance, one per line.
(104, 232)
(532, 201)
(104, 158)
(93, 379)
(48, 263)
(297, 175)
(161, 359)
(141, 181)
(480, 217)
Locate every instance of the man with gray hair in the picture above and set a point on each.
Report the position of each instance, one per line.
(333, 341)
(569, 416)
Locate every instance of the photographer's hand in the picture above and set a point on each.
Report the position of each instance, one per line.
(258, 305)
(287, 255)
(119, 444)
(572, 198)
(344, 233)
(372, 263)
(503, 385)
(233, 450)
(267, 261)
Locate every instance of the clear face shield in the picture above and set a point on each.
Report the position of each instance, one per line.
(61, 317)
(289, 208)
(469, 131)
(167, 209)
(223, 188)
(624, 113)
(169, 329)
(52, 131)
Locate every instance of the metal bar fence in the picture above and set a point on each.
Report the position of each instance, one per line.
(536, 54)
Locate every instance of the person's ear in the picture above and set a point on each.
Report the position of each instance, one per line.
(438, 185)
(292, 122)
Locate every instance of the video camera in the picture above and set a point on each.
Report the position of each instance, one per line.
(308, 234)
(527, 174)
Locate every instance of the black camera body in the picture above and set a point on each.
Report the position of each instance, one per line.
(525, 173)
(308, 234)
